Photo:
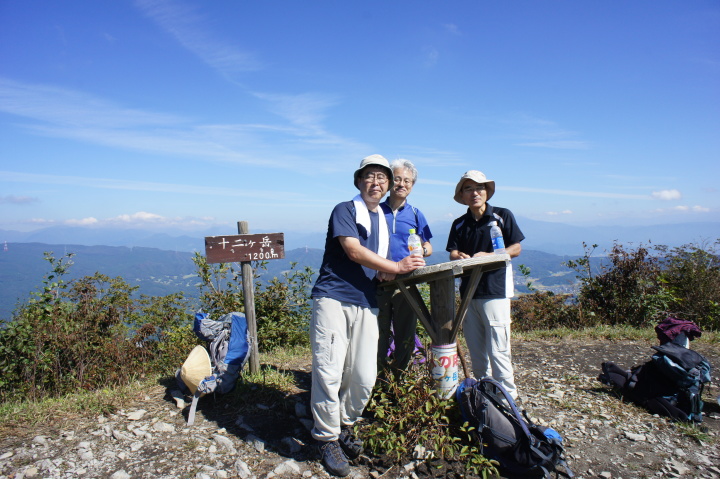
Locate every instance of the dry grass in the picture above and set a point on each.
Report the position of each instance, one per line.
(606, 332)
(275, 375)
(57, 412)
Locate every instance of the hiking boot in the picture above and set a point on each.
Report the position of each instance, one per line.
(334, 459)
(352, 446)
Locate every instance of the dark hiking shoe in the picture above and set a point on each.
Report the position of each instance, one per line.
(334, 459)
(352, 446)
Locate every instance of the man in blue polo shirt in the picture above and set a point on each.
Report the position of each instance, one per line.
(396, 318)
(343, 327)
(487, 324)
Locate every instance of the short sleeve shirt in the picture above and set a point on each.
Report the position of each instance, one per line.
(399, 224)
(340, 277)
(470, 236)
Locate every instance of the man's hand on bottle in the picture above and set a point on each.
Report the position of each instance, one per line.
(410, 263)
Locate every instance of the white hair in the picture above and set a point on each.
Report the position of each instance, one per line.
(406, 164)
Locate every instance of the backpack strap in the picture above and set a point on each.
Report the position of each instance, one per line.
(633, 379)
(556, 457)
(193, 407)
(510, 403)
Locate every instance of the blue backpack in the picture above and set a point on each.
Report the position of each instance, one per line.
(521, 448)
(228, 347)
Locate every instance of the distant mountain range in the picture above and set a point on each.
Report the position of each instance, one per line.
(555, 238)
(159, 272)
(161, 263)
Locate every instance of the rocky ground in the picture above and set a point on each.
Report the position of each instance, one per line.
(268, 438)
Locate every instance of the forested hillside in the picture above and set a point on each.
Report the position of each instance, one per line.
(160, 272)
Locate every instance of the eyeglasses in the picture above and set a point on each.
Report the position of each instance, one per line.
(471, 189)
(400, 181)
(375, 177)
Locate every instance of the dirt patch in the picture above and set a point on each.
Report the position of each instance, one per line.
(557, 380)
(267, 430)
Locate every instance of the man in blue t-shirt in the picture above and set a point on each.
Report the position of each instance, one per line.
(396, 319)
(343, 327)
(487, 323)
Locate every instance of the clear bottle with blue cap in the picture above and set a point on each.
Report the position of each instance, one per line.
(496, 236)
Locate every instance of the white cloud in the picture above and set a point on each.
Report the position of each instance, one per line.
(140, 219)
(667, 195)
(541, 133)
(452, 28)
(186, 25)
(40, 221)
(17, 200)
(140, 216)
(432, 55)
(582, 194)
(82, 222)
(60, 113)
(304, 110)
(131, 185)
(560, 145)
(73, 109)
(683, 209)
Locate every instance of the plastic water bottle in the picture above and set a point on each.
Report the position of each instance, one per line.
(415, 243)
(497, 238)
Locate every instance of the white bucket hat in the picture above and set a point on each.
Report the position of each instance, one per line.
(477, 177)
(196, 368)
(377, 160)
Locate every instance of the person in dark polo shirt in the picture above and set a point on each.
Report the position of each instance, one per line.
(487, 324)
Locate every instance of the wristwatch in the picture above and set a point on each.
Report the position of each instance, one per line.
(424, 251)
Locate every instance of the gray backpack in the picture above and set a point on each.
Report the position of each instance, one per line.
(521, 448)
(228, 346)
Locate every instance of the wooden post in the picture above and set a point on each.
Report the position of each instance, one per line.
(249, 295)
(243, 249)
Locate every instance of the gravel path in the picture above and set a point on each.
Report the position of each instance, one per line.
(149, 438)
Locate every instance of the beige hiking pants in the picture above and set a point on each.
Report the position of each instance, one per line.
(344, 340)
(487, 332)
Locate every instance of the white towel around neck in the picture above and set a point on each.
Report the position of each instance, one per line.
(362, 217)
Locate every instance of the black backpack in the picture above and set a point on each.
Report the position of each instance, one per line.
(670, 384)
(521, 448)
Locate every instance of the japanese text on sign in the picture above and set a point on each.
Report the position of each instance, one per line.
(238, 248)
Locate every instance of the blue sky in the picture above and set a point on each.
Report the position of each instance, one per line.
(159, 114)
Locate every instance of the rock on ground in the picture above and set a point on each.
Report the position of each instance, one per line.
(604, 437)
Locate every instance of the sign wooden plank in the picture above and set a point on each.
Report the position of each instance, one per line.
(240, 248)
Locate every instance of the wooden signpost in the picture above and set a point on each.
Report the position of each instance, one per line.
(244, 248)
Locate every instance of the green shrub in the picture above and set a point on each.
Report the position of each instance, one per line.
(627, 291)
(282, 307)
(85, 334)
(692, 275)
(544, 310)
(409, 415)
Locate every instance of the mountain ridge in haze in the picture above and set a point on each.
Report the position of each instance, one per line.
(555, 238)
